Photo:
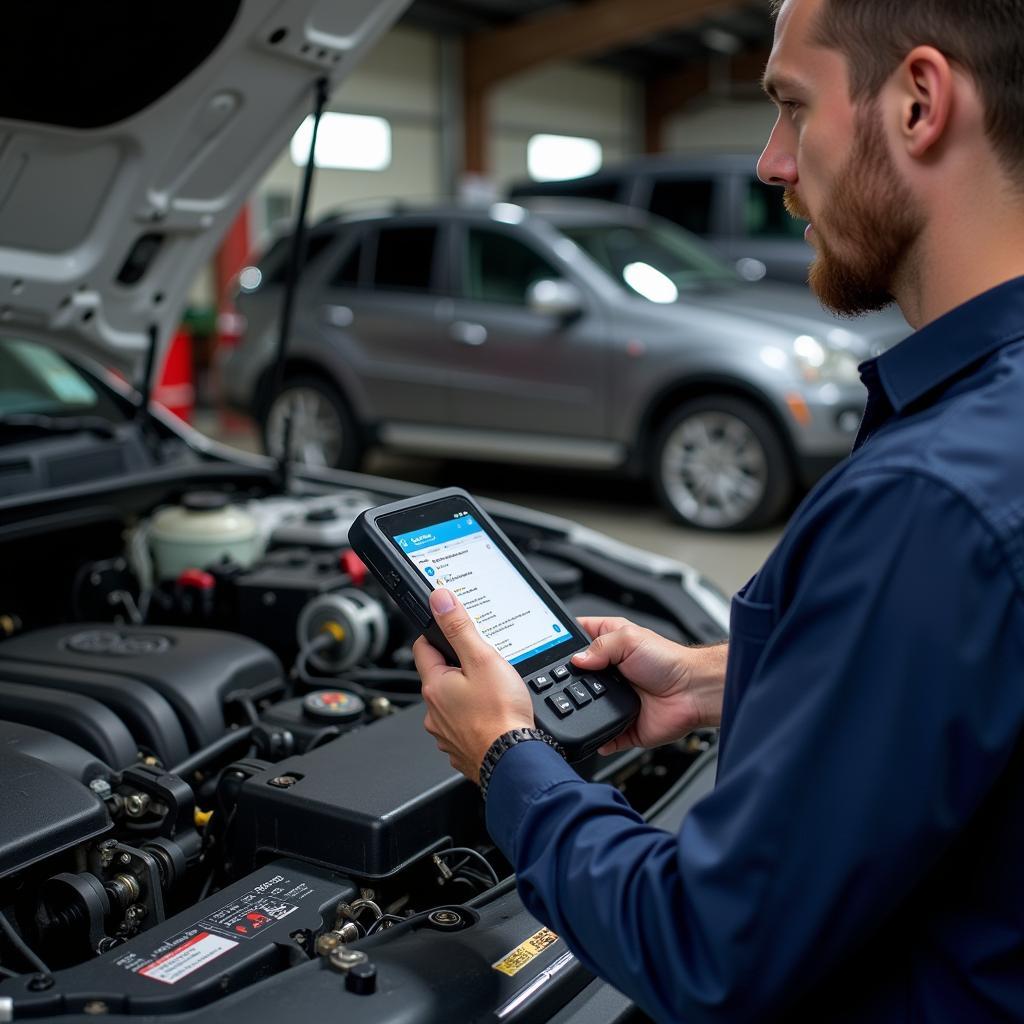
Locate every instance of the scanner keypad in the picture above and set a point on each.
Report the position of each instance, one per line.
(578, 693)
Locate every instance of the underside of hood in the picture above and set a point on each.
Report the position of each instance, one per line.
(130, 136)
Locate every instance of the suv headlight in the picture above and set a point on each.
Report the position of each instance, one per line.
(818, 363)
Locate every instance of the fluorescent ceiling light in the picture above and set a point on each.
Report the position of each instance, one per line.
(557, 157)
(345, 142)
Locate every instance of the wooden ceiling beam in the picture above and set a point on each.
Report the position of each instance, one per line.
(585, 30)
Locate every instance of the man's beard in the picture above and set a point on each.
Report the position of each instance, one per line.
(873, 216)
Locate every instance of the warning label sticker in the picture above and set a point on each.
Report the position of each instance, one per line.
(257, 909)
(219, 931)
(188, 957)
(515, 960)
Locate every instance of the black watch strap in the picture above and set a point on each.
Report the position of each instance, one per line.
(506, 741)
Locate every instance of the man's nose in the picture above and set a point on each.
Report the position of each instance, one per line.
(777, 165)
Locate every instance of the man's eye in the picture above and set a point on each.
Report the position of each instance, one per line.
(790, 106)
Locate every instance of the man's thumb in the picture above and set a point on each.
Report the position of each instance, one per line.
(609, 649)
(459, 629)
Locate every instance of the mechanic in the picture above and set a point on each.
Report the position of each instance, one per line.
(860, 856)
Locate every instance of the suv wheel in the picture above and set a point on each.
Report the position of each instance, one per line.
(719, 464)
(323, 430)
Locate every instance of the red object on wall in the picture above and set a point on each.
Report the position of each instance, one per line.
(175, 389)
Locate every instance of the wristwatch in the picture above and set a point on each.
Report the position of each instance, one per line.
(506, 741)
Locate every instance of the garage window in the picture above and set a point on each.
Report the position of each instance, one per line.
(351, 142)
(558, 157)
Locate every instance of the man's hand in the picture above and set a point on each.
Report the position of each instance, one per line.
(468, 708)
(680, 688)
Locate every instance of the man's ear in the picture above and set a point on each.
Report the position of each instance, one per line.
(924, 86)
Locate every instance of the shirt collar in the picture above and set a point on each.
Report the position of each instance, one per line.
(947, 346)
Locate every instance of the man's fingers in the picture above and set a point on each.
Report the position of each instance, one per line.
(459, 629)
(427, 657)
(608, 649)
(598, 625)
(624, 741)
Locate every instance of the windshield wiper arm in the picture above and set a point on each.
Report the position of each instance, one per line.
(37, 423)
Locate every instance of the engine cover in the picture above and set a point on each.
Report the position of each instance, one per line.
(44, 811)
(130, 688)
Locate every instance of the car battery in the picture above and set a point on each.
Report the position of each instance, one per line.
(254, 928)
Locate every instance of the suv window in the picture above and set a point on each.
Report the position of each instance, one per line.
(275, 262)
(405, 258)
(766, 215)
(347, 275)
(500, 268)
(687, 203)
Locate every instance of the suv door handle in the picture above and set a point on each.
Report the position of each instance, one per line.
(337, 316)
(468, 334)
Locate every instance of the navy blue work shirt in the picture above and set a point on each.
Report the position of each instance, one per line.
(861, 857)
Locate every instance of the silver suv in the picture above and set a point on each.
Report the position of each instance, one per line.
(559, 332)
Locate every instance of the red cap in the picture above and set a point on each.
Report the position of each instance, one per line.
(197, 578)
(351, 563)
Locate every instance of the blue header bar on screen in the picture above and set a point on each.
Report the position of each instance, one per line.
(439, 533)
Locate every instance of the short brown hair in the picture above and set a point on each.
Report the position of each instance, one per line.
(985, 37)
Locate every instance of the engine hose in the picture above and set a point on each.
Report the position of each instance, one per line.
(212, 751)
(21, 946)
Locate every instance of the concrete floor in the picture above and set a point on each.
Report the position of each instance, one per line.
(623, 509)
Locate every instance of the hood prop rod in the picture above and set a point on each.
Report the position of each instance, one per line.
(143, 414)
(146, 388)
(296, 260)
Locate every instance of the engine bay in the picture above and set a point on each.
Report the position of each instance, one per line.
(212, 747)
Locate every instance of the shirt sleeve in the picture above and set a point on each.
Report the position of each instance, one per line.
(874, 722)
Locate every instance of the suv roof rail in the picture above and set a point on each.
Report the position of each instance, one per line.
(387, 205)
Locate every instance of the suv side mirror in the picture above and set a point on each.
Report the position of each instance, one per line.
(554, 298)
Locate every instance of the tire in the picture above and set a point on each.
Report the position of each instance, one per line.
(720, 464)
(324, 432)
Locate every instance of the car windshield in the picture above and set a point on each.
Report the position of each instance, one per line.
(36, 380)
(656, 262)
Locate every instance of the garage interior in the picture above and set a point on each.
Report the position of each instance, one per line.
(463, 86)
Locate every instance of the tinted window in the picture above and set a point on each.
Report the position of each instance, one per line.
(500, 268)
(767, 216)
(275, 263)
(405, 259)
(347, 274)
(687, 203)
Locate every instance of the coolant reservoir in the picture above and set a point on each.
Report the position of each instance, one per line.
(203, 530)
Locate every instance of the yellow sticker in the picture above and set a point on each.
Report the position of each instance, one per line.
(513, 962)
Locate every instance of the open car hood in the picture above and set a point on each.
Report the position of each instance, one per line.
(130, 136)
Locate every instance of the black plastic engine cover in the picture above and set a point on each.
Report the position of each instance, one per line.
(366, 804)
(44, 811)
(70, 758)
(166, 685)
